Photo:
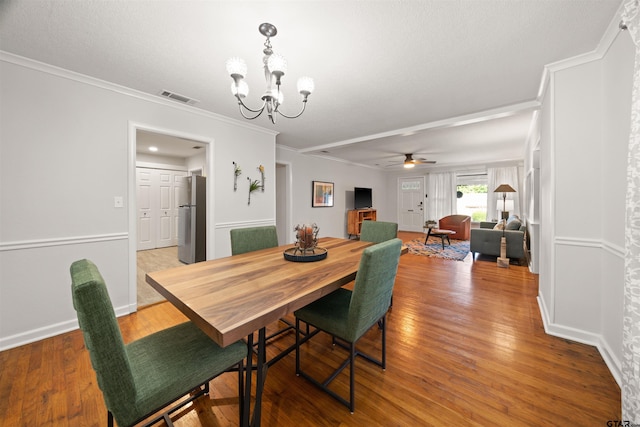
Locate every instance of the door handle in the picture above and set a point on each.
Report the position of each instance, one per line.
(409, 210)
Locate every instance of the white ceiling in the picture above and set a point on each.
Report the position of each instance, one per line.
(442, 71)
(167, 145)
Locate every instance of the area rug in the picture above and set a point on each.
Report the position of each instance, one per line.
(457, 250)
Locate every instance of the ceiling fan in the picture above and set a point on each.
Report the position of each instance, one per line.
(410, 162)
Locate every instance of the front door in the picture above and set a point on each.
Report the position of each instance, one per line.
(411, 203)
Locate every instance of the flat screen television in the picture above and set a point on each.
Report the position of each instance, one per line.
(362, 198)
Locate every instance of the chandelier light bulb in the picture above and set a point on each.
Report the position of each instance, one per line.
(236, 67)
(241, 89)
(408, 165)
(305, 86)
(277, 65)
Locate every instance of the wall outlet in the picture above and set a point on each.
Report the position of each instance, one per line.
(118, 202)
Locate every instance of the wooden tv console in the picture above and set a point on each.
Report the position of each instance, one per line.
(355, 218)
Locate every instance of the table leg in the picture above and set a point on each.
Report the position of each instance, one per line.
(442, 238)
(261, 376)
(247, 388)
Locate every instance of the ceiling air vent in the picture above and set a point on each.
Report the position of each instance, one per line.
(177, 97)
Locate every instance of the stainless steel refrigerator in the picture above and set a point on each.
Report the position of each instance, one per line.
(192, 221)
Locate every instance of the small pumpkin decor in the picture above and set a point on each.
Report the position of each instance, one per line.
(306, 247)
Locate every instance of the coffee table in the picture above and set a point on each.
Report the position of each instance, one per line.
(436, 232)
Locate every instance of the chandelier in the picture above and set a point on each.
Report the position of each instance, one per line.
(275, 66)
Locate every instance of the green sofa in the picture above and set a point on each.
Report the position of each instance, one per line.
(486, 239)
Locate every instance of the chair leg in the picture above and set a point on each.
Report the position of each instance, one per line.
(349, 361)
(109, 419)
(352, 379)
(384, 341)
(298, 346)
(380, 325)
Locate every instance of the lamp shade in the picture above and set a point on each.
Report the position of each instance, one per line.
(504, 188)
(236, 67)
(277, 64)
(305, 85)
(241, 89)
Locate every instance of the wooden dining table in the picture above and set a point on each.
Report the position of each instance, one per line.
(231, 298)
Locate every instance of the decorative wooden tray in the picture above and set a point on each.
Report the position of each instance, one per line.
(295, 255)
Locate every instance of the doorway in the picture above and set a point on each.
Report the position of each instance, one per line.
(185, 154)
(284, 206)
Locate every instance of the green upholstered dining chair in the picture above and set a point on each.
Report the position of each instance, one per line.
(253, 239)
(147, 375)
(347, 315)
(378, 231)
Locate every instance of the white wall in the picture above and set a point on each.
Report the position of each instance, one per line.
(616, 112)
(531, 192)
(585, 130)
(65, 152)
(546, 252)
(577, 192)
(332, 221)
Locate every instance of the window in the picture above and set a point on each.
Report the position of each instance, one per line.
(472, 195)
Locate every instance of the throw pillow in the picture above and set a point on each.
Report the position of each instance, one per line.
(499, 226)
(513, 225)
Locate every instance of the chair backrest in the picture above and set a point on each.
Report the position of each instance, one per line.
(253, 239)
(102, 335)
(371, 296)
(456, 219)
(378, 231)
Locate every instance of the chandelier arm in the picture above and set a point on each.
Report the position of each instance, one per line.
(304, 105)
(249, 117)
(242, 104)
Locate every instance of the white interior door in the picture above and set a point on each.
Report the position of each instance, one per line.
(164, 210)
(145, 223)
(158, 193)
(411, 204)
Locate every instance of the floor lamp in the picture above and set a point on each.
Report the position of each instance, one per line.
(503, 261)
(504, 208)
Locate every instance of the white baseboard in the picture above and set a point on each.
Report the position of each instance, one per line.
(49, 331)
(583, 337)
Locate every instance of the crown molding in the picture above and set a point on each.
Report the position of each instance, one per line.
(606, 41)
(123, 90)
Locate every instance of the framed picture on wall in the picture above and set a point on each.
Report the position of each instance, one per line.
(322, 194)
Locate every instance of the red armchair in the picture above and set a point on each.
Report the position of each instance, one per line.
(461, 224)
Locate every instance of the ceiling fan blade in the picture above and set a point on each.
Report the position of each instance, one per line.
(408, 158)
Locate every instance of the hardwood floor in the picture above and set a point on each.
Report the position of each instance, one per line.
(465, 346)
